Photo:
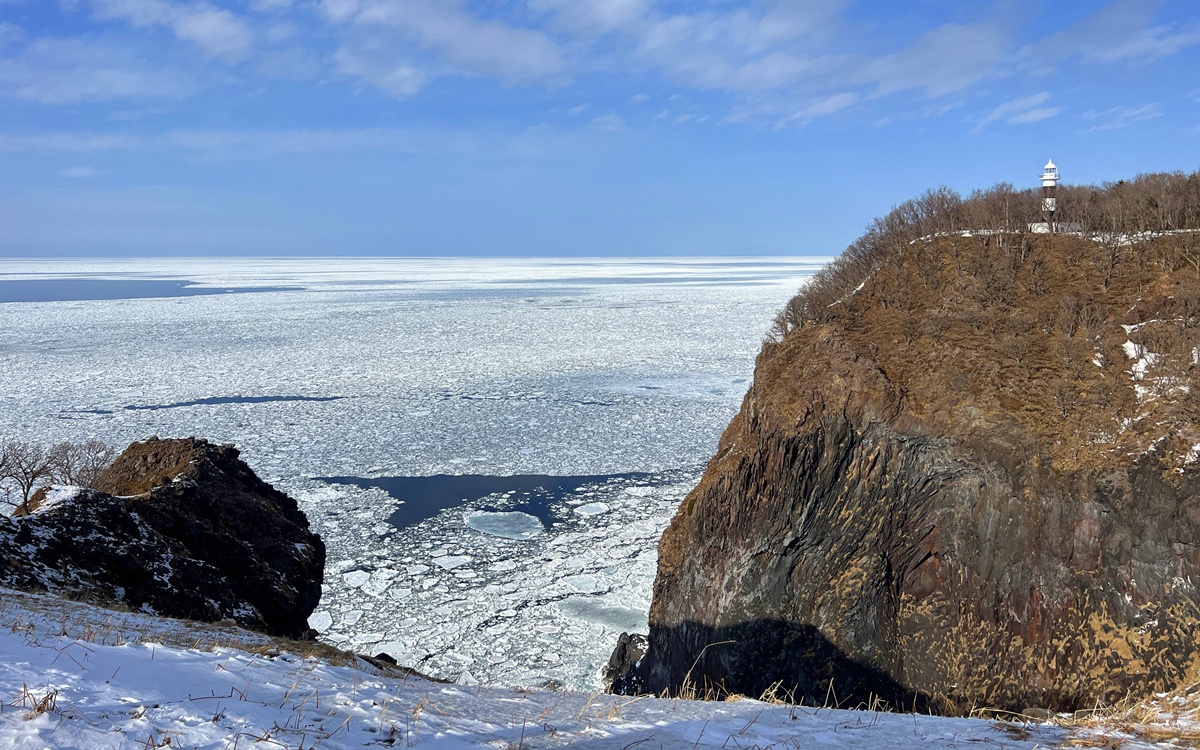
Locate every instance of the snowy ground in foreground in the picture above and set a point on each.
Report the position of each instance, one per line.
(74, 676)
(375, 368)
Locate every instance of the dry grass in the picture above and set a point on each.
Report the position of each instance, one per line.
(1172, 717)
(979, 336)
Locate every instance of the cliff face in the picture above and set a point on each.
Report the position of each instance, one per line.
(182, 528)
(874, 527)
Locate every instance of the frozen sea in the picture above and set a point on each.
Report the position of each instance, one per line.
(490, 447)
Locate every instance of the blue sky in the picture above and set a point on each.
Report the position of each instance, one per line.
(560, 127)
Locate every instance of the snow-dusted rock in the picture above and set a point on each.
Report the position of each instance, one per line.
(181, 528)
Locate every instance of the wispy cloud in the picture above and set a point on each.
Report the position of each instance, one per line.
(822, 107)
(1021, 111)
(381, 66)
(78, 172)
(463, 43)
(219, 33)
(609, 123)
(10, 33)
(945, 60)
(252, 143)
(1122, 117)
(70, 71)
(1122, 31)
(769, 62)
(72, 142)
(270, 6)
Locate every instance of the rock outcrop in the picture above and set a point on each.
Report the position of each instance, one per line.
(882, 520)
(180, 528)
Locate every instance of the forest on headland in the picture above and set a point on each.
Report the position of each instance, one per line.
(1089, 337)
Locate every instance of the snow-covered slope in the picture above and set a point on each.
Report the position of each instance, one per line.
(76, 676)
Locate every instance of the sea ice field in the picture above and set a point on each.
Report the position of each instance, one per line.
(490, 448)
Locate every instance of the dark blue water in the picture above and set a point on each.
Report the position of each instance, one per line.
(211, 401)
(535, 494)
(82, 289)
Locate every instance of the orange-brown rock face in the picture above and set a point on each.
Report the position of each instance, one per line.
(839, 546)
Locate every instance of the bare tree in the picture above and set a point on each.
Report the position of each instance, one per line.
(27, 465)
(79, 464)
(5, 482)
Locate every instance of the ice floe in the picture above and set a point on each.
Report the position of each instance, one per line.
(511, 524)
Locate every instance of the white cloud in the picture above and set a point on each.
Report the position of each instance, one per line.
(270, 6)
(779, 58)
(821, 107)
(127, 115)
(744, 49)
(379, 65)
(1122, 117)
(69, 71)
(577, 110)
(74, 142)
(1034, 115)
(78, 172)
(1122, 31)
(944, 60)
(10, 33)
(245, 142)
(470, 45)
(216, 31)
(1020, 111)
(339, 11)
(609, 123)
(639, 98)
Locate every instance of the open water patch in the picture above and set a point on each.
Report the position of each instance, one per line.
(541, 496)
(219, 400)
(211, 401)
(87, 290)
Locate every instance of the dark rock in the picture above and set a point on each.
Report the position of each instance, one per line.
(180, 528)
(619, 675)
(837, 541)
(386, 658)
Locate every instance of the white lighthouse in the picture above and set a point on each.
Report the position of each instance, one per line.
(1049, 194)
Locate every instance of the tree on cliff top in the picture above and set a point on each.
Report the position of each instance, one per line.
(1091, 341)
(26, 466)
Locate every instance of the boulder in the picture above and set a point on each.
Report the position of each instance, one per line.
(180, 528)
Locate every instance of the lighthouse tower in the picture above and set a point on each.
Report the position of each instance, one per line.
(1049, 194)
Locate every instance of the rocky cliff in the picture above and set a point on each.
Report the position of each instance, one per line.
(181, 528)
(969, 481)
